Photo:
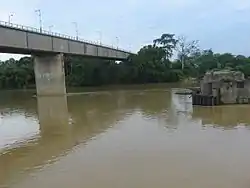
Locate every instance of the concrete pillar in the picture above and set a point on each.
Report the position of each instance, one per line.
(49, 74)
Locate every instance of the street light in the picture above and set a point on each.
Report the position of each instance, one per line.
(129, 47)
(117, 42)
(50, 27)
(76, 28)
(100, 36)
(10, 16)
(40, 19)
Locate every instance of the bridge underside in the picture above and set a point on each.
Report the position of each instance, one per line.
(11, 50)
(49, 71)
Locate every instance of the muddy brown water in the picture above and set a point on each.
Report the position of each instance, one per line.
(122, 138)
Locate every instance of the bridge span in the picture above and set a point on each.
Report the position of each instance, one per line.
(48, 49)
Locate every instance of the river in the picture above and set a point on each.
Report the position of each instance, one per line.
(123, 138)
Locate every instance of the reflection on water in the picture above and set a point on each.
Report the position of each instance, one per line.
(53, 115)
(122, 138)
(227, 117)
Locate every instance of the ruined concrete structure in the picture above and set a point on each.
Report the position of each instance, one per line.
(230, 87)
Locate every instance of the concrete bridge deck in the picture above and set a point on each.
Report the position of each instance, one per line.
(48, 50)
(28, 40)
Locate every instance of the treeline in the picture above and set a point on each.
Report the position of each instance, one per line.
(167, 59)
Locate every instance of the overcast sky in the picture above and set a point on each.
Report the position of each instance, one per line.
(223, 25)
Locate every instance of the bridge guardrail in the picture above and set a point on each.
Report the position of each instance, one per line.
(33, 29)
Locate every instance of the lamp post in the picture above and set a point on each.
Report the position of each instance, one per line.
(76, 28)
(38, 11)
(100, 36)
(129, 47)
(117, 41)
(10, 16)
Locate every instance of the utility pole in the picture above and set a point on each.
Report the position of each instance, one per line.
(38, 11)
(10, 16)
(76, 28)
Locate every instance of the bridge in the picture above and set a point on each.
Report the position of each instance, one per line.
(48, 49)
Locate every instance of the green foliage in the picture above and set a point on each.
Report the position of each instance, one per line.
(151, 64)
(168, 43)
(16, 74)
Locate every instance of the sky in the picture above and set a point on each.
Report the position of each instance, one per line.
(223, 25)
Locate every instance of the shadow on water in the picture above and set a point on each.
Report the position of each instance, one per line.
(59, 124)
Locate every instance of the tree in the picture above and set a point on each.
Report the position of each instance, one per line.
(186, 48)
(226, 60)
(168, 43)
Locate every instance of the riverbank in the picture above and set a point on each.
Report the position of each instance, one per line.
(181, 84)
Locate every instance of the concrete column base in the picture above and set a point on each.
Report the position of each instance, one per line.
(49, 74)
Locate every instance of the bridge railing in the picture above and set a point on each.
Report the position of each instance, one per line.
(35, 30)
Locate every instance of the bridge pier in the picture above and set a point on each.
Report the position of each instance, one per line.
(49, 74)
